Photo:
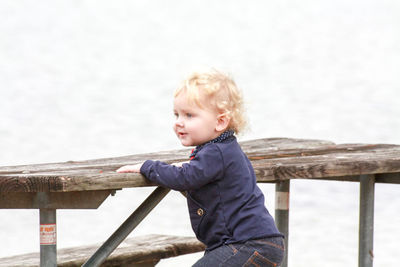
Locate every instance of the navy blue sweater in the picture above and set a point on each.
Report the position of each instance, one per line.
(225, 204)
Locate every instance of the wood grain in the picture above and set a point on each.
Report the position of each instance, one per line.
(149, 248)
(274, 159)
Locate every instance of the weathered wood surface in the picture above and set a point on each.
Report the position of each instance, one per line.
(53, 200)
(273, 159)
(149, 248)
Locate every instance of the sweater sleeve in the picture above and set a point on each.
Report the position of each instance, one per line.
(206, 167)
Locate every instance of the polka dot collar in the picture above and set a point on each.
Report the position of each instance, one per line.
(225, 135)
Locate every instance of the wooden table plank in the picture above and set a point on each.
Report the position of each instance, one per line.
(134, 250)
(273, 159)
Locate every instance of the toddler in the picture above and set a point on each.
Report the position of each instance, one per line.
(225, 204)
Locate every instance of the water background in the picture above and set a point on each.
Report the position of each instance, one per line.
(91, 79)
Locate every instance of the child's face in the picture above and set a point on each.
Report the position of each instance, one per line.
(194, 125)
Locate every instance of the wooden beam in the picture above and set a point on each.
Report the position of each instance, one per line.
(274, 159)
(52, 200)
(142, 249)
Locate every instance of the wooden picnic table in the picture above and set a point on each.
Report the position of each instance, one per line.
(86, 184)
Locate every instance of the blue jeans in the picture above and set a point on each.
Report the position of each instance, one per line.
(258, 253)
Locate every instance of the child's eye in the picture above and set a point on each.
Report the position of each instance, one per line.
(176, 115)
(189, 115)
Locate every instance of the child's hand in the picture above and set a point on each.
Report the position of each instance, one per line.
(130, 168)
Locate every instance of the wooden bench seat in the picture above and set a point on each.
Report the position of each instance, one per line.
(138, 251)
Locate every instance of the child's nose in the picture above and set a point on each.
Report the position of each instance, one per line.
(179, 122)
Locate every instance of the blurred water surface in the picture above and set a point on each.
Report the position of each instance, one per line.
(91, 79)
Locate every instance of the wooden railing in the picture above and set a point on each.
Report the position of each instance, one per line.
(86, 184)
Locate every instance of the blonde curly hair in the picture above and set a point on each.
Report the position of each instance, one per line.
(219, 91)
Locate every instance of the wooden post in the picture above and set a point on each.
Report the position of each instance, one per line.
(282, 191)
(366, 227)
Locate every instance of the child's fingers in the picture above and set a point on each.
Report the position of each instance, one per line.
(129, 168)
(125, 169)
(121, 170)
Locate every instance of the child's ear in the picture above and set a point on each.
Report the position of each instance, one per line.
(222, 122)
